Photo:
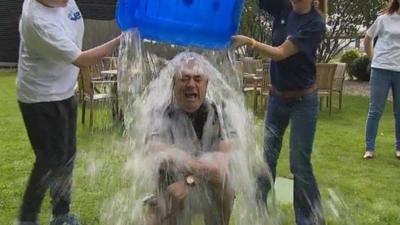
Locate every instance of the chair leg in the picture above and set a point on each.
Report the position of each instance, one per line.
(255, 101)
(320, 103)
(265, 102)
(340, 100)
(83, 111)
(327, 101)
(330, 104)
(91, 114)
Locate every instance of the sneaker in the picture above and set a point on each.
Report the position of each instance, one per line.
(397, 154)
(368, 155)
(67, 219)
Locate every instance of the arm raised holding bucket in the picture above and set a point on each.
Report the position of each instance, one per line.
(298, 30)
(51, 34)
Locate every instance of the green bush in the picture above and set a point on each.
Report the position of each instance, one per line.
(350, 55)
(360, 68)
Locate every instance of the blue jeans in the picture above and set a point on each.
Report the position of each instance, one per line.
(302, 114)
(380, 83)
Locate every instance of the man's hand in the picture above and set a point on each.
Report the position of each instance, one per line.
(211, 166)
(179, 189)
(168, 155)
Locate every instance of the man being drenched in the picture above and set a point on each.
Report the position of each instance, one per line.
(192, 146)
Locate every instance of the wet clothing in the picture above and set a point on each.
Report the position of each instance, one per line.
(195, 132)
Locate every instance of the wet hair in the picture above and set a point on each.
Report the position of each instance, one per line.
(392, 8)
(201, 66)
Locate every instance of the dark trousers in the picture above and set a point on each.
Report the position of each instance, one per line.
(51, 127)
(301, 113)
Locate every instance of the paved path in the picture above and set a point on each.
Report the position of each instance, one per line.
(360, 88)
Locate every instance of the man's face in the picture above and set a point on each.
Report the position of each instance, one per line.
(190, 88)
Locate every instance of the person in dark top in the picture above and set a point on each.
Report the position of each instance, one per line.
(195, 145)
(298, 29)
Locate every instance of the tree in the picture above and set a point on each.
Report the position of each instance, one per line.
(255, 23)
(346, 21)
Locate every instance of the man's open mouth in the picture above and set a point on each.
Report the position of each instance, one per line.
(191, 96)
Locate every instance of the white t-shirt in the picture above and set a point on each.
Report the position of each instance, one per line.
(51, 39)
(387, 49)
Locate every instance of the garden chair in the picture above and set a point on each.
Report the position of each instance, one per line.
(109, 63)
(325, 73)
(266, 86)
(93, 88)
(338, 81)
(252, 78)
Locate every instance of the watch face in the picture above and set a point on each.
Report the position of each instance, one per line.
(190, 180)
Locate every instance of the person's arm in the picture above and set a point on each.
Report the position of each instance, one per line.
(285, 50)
(213, 166)
(94, 55)
(49, 40)
(169, 155)
(373, 31)
(368, 46)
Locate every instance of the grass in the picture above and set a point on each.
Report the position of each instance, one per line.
(354, 191)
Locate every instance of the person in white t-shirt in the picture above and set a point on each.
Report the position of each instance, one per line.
(385, 73)
(50, 55)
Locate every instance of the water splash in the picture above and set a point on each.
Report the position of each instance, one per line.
(145, 84)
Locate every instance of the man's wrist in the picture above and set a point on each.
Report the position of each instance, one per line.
(190, 180)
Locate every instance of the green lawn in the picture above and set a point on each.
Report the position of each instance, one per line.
(354, 191)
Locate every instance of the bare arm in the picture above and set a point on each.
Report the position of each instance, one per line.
(171, 156)
(213, 166)
(285, 50)
(94, 55)
(368, 46)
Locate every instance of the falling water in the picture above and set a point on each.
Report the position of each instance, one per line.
(145, 82)
(144, 92)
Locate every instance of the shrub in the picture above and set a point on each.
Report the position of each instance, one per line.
(360, 68)
(348, 57)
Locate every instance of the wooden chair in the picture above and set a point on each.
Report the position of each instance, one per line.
(252, 79)
(325, 73)
(266, 84)
(94, 89)
(338, 81)
(109, 63)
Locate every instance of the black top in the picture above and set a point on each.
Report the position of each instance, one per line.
(198, 120)
(305, 31)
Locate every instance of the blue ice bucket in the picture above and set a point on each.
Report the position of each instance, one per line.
(200, 23)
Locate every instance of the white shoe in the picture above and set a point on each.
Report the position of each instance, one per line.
(368, 155)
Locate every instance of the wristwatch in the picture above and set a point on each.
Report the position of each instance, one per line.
(190, 180)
